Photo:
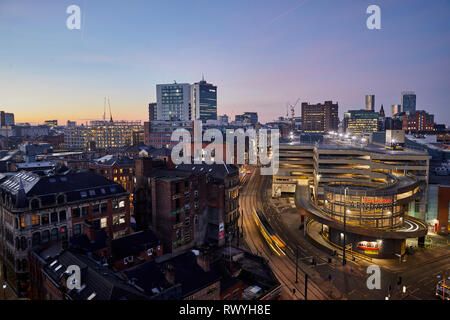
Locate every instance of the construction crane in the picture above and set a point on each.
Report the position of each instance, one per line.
(292, 108)
(110, 114)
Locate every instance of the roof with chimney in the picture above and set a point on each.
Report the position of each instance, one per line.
(23, 186)
(188, 273)
(216, 170)
(97, 281)
(133, 244)
(111, 160)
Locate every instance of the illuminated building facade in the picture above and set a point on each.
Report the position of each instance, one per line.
(418, 122)
(370, 102)
(369, 187)
(361, 121)
(204, 101)
(320, 118)
(102, 135)
(173, 101)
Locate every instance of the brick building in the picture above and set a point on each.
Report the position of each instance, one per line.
(40, 210)
(320, 118)
(172, 203)
(222, 194)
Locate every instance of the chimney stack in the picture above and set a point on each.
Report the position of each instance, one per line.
(169, 272)
(204, 260)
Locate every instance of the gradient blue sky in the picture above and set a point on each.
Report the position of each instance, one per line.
(260, 54)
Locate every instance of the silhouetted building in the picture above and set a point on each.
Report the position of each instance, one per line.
(320, 118)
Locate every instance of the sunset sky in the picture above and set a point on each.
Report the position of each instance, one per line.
(261, 54)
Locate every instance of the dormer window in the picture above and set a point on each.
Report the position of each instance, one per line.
(60, 199)
(35, 204)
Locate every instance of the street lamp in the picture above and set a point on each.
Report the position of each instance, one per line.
(4, 291)
(345, 217)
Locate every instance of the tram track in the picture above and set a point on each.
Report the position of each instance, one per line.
(282, 266)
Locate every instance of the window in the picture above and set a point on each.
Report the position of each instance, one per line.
(122, 219)
(54, 235)
(35, 204)
(115, 204)
(35, 220)
(122, 204)
(187, 221)
(62, 215)
(92, 192)
(187, 236)
(84, 211)
(119, 220)
(75, 212)
(22, 222)
(83, 194)
(96, 224)
(36, 239)
(96, 209)
(45, 219)
(77, 228)
(54, 217)
(104, 207)
(23, 243)
(45, 236)
(103, 223)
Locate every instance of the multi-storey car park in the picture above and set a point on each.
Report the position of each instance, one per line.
(376, 196)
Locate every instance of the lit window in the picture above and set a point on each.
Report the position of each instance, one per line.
(35, 220)
(103, 223)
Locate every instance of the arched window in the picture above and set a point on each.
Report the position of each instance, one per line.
(36, 239)
(23, 243)
(24, 264)
(45, 236)
(54, 235)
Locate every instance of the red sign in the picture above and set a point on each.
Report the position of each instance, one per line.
(377, 200)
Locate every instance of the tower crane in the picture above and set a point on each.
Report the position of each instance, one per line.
(292, 107)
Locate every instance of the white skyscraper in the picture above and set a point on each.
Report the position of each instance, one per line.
(173, 101)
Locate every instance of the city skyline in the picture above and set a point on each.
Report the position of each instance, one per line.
(260, 57)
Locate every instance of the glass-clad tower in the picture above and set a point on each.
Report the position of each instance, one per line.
(204, 101)
(409, 101)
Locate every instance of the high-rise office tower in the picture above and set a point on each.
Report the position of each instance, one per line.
(152, 114)
(320, 118)
(370, 102)
(6, 119)
(173, 101)
(409, 101)
(396, 108)
(361, 121)
(204, 101)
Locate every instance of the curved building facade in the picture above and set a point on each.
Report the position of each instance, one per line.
(364, 191)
